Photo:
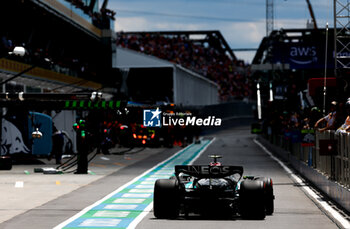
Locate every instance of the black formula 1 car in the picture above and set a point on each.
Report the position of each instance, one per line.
(215, 190)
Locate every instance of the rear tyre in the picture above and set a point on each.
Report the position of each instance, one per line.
(268, 195)
(251, 195)
(166, 199)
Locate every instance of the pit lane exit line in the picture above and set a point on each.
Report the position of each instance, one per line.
(129, 204)
(316, 198)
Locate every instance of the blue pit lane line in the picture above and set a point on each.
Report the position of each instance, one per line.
(129, 204)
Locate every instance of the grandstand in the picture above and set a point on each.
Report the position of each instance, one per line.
(203, 52)
(294, 61)
(298, 49)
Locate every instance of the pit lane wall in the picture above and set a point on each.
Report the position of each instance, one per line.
(326, 164)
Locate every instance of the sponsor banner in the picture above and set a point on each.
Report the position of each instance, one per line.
(303, 55)
(16, 134)
(308, 137)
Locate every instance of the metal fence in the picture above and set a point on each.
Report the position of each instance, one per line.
(342, 173)
(329, 155)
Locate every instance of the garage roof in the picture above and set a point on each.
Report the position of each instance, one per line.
(127, 58)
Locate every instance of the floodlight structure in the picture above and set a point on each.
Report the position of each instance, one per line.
(269, 17)
(341, 10)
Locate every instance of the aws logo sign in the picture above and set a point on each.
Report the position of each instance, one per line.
(303, 54)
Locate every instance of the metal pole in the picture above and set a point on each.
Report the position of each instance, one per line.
(335, 36)
(83, 148)
(325, 73)
(309, 161)
(269, 16)
(175, 92)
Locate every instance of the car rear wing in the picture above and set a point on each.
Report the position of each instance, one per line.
(207, 171)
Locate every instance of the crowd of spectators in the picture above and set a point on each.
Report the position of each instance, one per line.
(232, 76)
(290, 123)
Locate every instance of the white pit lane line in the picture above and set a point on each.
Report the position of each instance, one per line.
(316, 198)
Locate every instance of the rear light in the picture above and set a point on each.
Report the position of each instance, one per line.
(122, 127)
(144, 136)
(143, 141)
(139, 136)
(134, 135)
(152, 136)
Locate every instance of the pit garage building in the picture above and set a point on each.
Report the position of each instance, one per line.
(148, 78)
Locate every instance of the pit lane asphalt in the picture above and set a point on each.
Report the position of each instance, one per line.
(293, 208)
